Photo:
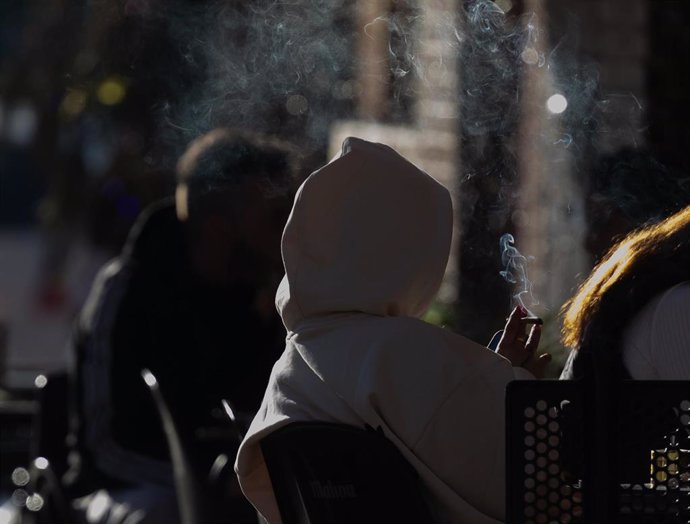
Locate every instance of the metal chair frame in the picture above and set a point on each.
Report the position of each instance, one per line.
(327, 473)
(579, 453)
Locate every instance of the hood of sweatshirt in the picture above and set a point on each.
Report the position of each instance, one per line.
(369, 232)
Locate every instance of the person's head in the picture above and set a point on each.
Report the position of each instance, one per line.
(643, 264)
(233, 195)
(369, 232)
(630, 189)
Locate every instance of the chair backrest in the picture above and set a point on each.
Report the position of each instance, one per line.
(575, 457)
(186, 484)
(201, 501)
(325, 473)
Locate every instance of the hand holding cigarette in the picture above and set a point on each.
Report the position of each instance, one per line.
(520, 347)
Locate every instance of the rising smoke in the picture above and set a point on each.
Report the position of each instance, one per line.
(515, 271)
(290, 67)
(269, 66)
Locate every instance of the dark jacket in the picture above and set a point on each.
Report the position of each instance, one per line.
(148, 309)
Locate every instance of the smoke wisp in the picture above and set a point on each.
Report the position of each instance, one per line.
(515, 271)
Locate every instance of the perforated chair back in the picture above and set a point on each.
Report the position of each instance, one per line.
(573, 457)
(325, 473)
(544, 470)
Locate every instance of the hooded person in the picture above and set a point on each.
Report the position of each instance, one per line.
(365, 249)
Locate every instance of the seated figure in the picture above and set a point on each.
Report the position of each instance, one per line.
(631, 317)
(365, 250)
(189, 298)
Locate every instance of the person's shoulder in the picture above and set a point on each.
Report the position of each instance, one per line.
(156, 228)
(402, 328)
(108, 285)
(441, 344)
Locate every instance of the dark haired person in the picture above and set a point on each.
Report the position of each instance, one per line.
(365, 250)
(190, 299)
(631, 317)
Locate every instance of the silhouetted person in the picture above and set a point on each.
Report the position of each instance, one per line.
(631, 317)
(365, 250)
(190, 299)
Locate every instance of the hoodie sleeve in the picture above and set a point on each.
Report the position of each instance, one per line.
(464, 440)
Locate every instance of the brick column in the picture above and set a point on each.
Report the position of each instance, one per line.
(372, 59)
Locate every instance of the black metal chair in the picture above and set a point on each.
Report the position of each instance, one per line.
(46, 500)
(574, 456)
(324, 473)
(206, 495)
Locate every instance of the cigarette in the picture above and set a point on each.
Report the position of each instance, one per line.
(532, 320)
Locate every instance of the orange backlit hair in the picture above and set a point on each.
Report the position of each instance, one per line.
(658, 252)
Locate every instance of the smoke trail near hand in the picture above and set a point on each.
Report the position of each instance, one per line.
(515, 271)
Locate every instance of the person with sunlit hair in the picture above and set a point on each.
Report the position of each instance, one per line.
(190, 299)
(631, 317)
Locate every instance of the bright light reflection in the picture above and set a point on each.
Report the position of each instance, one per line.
(98, 506)
(149, 378)
(34, 502)
(41, 463)
(556, 104)
(40, 381)
(6, 515)
(228, 410)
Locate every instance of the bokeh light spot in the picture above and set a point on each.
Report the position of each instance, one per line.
(20, 477)
(34, 502)
(504, 5)
(73, 103)
(111, 92)
(343, 90)
(41, 463)
(22, 122)
(556, 104)
(296, 105)
(529, 56)
(40, 381)
(98, 506)
(19, 497)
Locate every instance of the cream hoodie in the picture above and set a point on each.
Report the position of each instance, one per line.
(365, 249)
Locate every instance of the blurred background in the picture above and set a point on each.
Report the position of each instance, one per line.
(543, 118)
(561, 123)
